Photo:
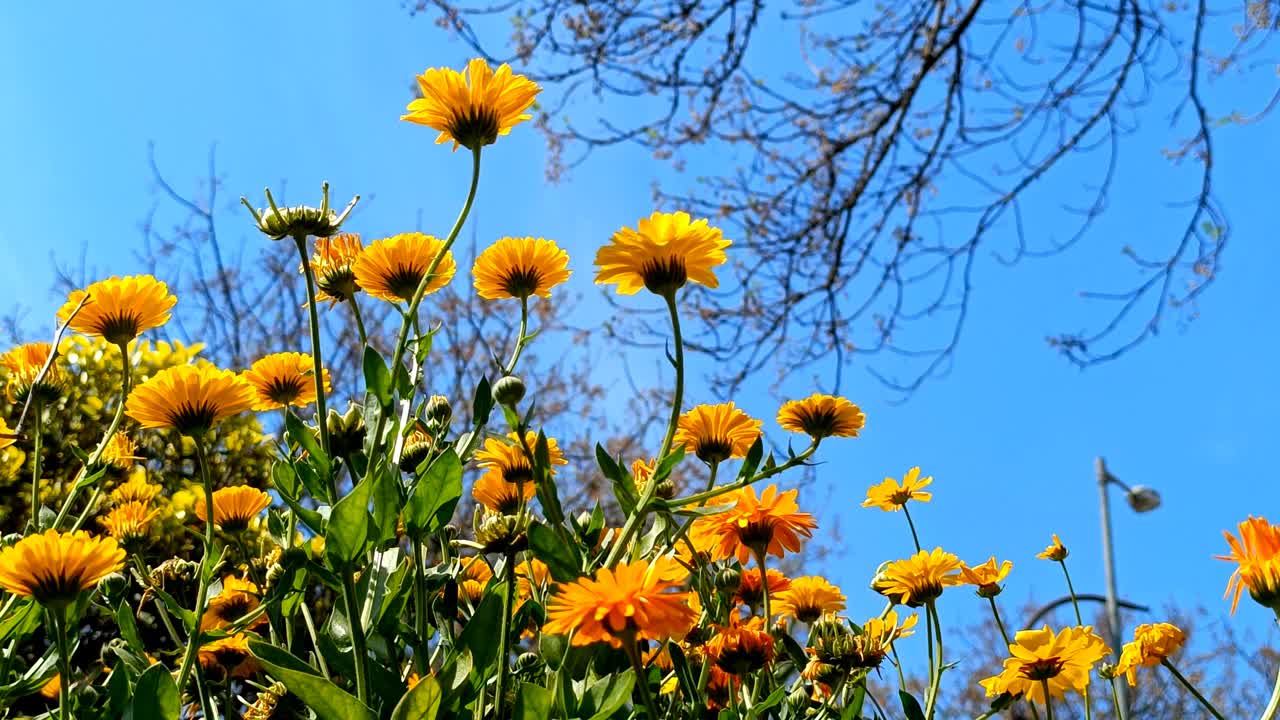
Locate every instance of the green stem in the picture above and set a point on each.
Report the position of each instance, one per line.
(202, 593)
(1115, 700)
(317, 365)
(677, 400)
(125, 383)
(37, 415)
(911, 524)
(1273, 707)
(420, 601)
(642, 683)
(504, 640)
(359, 646)
(1192, 688)
(702, 497)
(931, 701)
(64, 662)
(355, 310)
(995, 612)
(764, 587)
(1048, 702)
(521, 339)
(315, 639)
(88, 508)
(162, 611)
(226, 699)
(1075, 603)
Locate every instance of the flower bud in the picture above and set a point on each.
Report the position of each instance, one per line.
(299, 221)
(439, 410)
(508, 391)
(728, 581)
(113, 587)
(501, 533)
(346, 431)
(528, 663)
(1107, 671)
(418, 446)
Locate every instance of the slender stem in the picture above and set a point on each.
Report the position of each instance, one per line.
(88, 508)
(359, 646)
(202, 693)
(64, 663)
(315, 639)
(420, 600)
(1273, 706)
(125, 383)
(504, 640)
(642, 683)
(37, 416)
(317, 365)
(355, 311)
(162, 611)
(226, 699)
(995, 612)
(1088, 703)
(1048, 702)
(911, 524)
(677, 400)
(703, 497)
(202, 594)
(764, 587)
(521, 339)
(931, 702)
(1115, 699)
(1192, 688)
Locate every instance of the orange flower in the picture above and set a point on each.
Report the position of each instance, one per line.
(986, 577)
(717, 432)
(741, 648)
(280, 379)
(499, 495)
(22, 365)
(770, 524)
(119, 309)
(809, 598)
(234, 507)
(508, 460)
(918, 579)
(820, 416)
(1257, 555)
(751, 592)
(890, 495)
(473, 579)
(54, 568)
(189, 398)
(472, 110)
(629, 601)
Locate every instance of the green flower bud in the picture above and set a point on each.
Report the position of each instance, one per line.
(439, 411)
(508, 391)
(299, 221)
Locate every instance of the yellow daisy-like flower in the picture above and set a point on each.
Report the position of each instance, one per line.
(472, 110)
(750, 589)
(52, 688)
(508, 461)
(120, 452)
(234, 507)
(237, 599)
(769, 524)
(520, 267)
(820, 416)
(986, 577)
(877, 638)
(630, 601)
(473, 579)
(229, 657)
(119, 309)
(7, 436)
(1152, 645)
(137, 489)
(1056, 551)
(665, 251)
(1064, 660)
(189, 398)
(333, 265)
(1257, 556)
(281, 379)
(808, 598)
(918, 579)
(741, 648)
(716, 433)
(129, 522)
(53, 567)
(530, 573)
(499, 495)
(392, 268)
(890, 495)
(22, 366)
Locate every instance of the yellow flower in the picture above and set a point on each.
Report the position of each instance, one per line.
(878, 636)
(531, 569)
(665, 251)
(7, 436)
(770, 524)
(22, 366)
(333, 265)
(472, 110)
(1152, 644)
(189, 398)
(717, 432)
(751, 591)
(1064, 660)
(1257, 555)
(53, 567)
(808, 598)
(629, 601)
(1056, 551)
(129, 522)
(499, 495)
(473, 579)
(281, 379)
(520, 267)
(137, 489)
(918, 579)
(119, 309)
(890, 495)
(237, 599)
(51, 689)
(120, 452)
(741, 648)
(986, 577)
(392, 268)
(229, 657)
(820, 416)
(234, 507)
(508, 460)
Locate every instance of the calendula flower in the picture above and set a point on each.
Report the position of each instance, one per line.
(119, 309)
(53, 567)
(120, 452)
(741, 648)
(472, 110)
(986, 577)
(333, 266)
(129, 522)
(189, 398)
(665, 251)
(22, 366)
(1056, 551)
(721, 686)
(630, 601)
(918, 579)
(229, 657)
(507, 460)
(808, 598)
(1064, 660)
(237, 599)
(750, 590)
(473, 579)
(234, 507)
(531, 573)
(499, 495)
(520, 267)
(1257, 556)
(716, 432)
(877, 638)
(1152, 644)
(392, 268)
(820, 416)
(890, 495)
(770, 524)
(299, 221)
(137, 489)
(52, 688)
(281, 379)
(264, 706)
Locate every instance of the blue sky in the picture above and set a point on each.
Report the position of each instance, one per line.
(1009, 435)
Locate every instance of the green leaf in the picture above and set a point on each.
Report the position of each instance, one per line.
(327, 700)
(435, 495)
(606, 695)
(387, 501)
(480, 635)
(688, 683)
(624, 487)
(752, 460)
(854, 708)
(377, 378)
(21, 621)
(348, 531)
(302, 435)
(155, 696)
(910, 706)
(420, 703)
(311, 480)
(285, 479)
(482, 403)
(91, 479)
(533, 703)
(129, 629)
(560, 558)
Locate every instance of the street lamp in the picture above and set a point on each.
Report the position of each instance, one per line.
(1142, 499)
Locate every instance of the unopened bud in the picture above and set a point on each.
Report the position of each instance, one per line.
(508, 391)
(299, 221)
(439, 410)
(346, 431)
(728, 581)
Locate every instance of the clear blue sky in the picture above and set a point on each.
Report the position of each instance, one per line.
(313, 91)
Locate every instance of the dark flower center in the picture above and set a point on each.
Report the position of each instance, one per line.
(818, 424)
(120, 328)
(1042, 669)
(476, 127)
(924, 591)
(743, 657)
(756, 534)
(285, 390)
(664, 275)
(339, 282)
(191, 419)
(55, 589)
(403, 282)
(522, 282)
(808, 612)
(520, 473)
(714, 449)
